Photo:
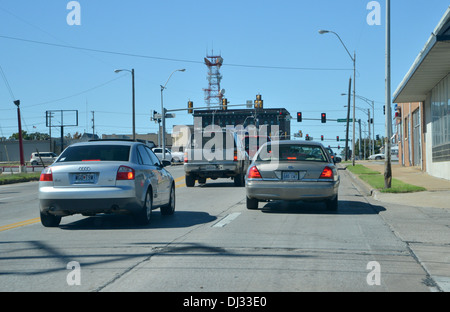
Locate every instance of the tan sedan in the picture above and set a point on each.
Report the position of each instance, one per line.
(292, 171)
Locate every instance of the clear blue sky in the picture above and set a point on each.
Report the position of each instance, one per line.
(246, 32)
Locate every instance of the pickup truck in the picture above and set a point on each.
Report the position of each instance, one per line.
(215, 154)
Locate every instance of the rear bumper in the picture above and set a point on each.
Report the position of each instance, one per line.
(67, 201)
(307, 191)
(212, 170)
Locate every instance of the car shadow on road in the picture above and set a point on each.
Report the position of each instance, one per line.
(345, 207)
(180, 219)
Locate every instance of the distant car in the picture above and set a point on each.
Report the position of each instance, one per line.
(177, 156)
(376, 157)
(42, 158)
(334, 157)
(105, 177)
(159, 153)
(292, 171)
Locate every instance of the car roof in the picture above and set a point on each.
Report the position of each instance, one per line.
(108, 142)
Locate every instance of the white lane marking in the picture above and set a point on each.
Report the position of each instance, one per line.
(227, 219)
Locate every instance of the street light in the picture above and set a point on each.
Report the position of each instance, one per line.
(353, 58)
(133, 101)
(372, 104)
(163, 113)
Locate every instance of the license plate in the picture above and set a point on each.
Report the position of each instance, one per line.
(210, 167)
(290, 175)
(84, 178)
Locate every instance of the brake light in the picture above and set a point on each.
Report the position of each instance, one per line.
(235, 158)
(185, 157)
(254, 173)
(327, 173)
(125, 173)
(46, 175)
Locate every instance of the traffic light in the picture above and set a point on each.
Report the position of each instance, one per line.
(190, 106)
(258, 101)
(337, 138)
(307, 137)
(323, 117)
(299, 117)
(339, 147)
(321, 137)
(224, 104)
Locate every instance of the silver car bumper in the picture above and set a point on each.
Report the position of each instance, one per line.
(275, 190)
(68, 201)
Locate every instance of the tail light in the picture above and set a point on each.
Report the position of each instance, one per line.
(327, 173)
(254, 173)
(185, 157)
(125, 173)
(46, 175)
(235, 158)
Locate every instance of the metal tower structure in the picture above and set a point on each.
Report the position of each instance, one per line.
(213, 94)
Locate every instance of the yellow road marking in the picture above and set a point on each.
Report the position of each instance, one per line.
(19, 224)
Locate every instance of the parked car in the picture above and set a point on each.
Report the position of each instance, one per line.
(376, 157)
(42, 158)
(292, 171)
(106, 177)
(159, 153)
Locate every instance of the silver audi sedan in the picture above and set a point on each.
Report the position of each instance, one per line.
(292, 171)
(106, 177)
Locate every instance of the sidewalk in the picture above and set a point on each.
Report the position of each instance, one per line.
(436, 196)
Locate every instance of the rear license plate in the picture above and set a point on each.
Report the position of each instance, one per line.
(84, 178)
(290, 175)
(210, 167)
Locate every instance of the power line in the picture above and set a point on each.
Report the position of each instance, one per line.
(169, 59)
(7, 84)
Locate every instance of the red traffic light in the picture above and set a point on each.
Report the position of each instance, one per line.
(323, 117)
(299, 117)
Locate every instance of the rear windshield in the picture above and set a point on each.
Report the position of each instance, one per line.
(215, 140)
(294, 152)
(96, 153)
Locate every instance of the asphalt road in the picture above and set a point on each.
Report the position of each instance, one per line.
(212, 243)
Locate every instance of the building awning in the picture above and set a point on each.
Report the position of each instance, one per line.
(431, 66)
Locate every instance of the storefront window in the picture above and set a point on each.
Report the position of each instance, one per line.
(440, 115)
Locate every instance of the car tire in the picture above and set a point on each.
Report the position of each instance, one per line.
(252, 203)
(144, 216)
(377, 158)
(34, 163)
(332, 204)
(49, 220)
(190, 181)
(169, 209)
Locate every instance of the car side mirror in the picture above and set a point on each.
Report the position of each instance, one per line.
(165, 163)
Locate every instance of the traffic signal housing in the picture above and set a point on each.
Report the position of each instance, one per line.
(224, 104)
(321, 137)
(337, 138)
(323, 117)
(190, 107)
(299, 117)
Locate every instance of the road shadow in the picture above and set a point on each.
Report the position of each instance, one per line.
(180, 219)
(345, 207)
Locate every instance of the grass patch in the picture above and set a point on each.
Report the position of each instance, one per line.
(360, 169)
(19, 177)
(376, 180)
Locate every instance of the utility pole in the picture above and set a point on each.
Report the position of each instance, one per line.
(388, 120)
(22, 161)
(348, 118)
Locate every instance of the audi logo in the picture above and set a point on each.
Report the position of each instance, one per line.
(84, 169)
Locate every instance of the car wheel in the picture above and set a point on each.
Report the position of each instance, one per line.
(190, 181)
(169, 209)
(49, 220)
(144, 216)
(377, 158)
(252, 203)
(34, 163)
(332, 204)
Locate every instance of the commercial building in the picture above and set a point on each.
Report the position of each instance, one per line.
(423, 106)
